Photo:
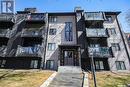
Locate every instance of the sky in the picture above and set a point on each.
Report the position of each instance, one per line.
(87, 5)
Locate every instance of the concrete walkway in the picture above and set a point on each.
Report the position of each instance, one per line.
(48, 81)
(67, 80)
(67, 76)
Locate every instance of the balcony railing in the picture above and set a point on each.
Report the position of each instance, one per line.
(35, 17)
(3, 50)
(32, 32)
(6, 17)
(29, 51)
(100, 52)
(5, 33)
(96, 32)
(94, 16)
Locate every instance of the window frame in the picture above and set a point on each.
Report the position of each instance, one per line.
(53, 19)
(68, 31)
(54, 31)
(50, 46)
(48, 64)
(108, 18)
(34, 64)
(120, 67)
(112, 31)
(98, 64)
(2, 63)
(116, 46)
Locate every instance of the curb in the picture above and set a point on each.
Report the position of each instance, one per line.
(85, 83)
(48, 81)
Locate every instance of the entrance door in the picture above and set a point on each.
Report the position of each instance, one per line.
(68, 58)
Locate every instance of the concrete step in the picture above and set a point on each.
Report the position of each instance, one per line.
(69, 69)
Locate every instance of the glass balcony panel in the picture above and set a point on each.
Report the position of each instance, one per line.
(32, 32)
(29, 51)
(94, 16)
(35, 17)
(96, 32)
(91, 32)
(5, 17)
(101, 32)
(99, 51)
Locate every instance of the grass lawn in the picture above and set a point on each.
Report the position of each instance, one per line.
(109, 79)
(23, 78)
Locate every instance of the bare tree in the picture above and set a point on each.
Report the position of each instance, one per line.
(127, 17)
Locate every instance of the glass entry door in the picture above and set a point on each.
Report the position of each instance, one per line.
(68, 58)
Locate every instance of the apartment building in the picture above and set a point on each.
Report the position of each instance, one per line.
(49, 40)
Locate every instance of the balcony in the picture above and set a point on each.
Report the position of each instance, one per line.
(5, 33)
(29, 51)
(3, 50)
(35, 17)
(100, 52)
(89, 16)
(6, 17)
(97, 32)
(32, 32)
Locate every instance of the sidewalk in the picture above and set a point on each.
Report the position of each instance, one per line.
(67, 76)
(67, 80)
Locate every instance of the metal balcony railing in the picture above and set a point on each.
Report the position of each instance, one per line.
(32, 32)
(5, 33)
(29, 51)
(91, 32)
(20, 17)
(94, 16)
(3, 50)
(100, 51)
(35, 17)
(6, 17)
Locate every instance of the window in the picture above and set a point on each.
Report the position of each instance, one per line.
(99, 65)
(51, 46)
(112, 31)
(34, 64)
(120, 65)
(50, 64)
(68, 31)
(2, 63)
(115, 46)
(52, 19)
(52, 32)
(109, 18)
(68, 54)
